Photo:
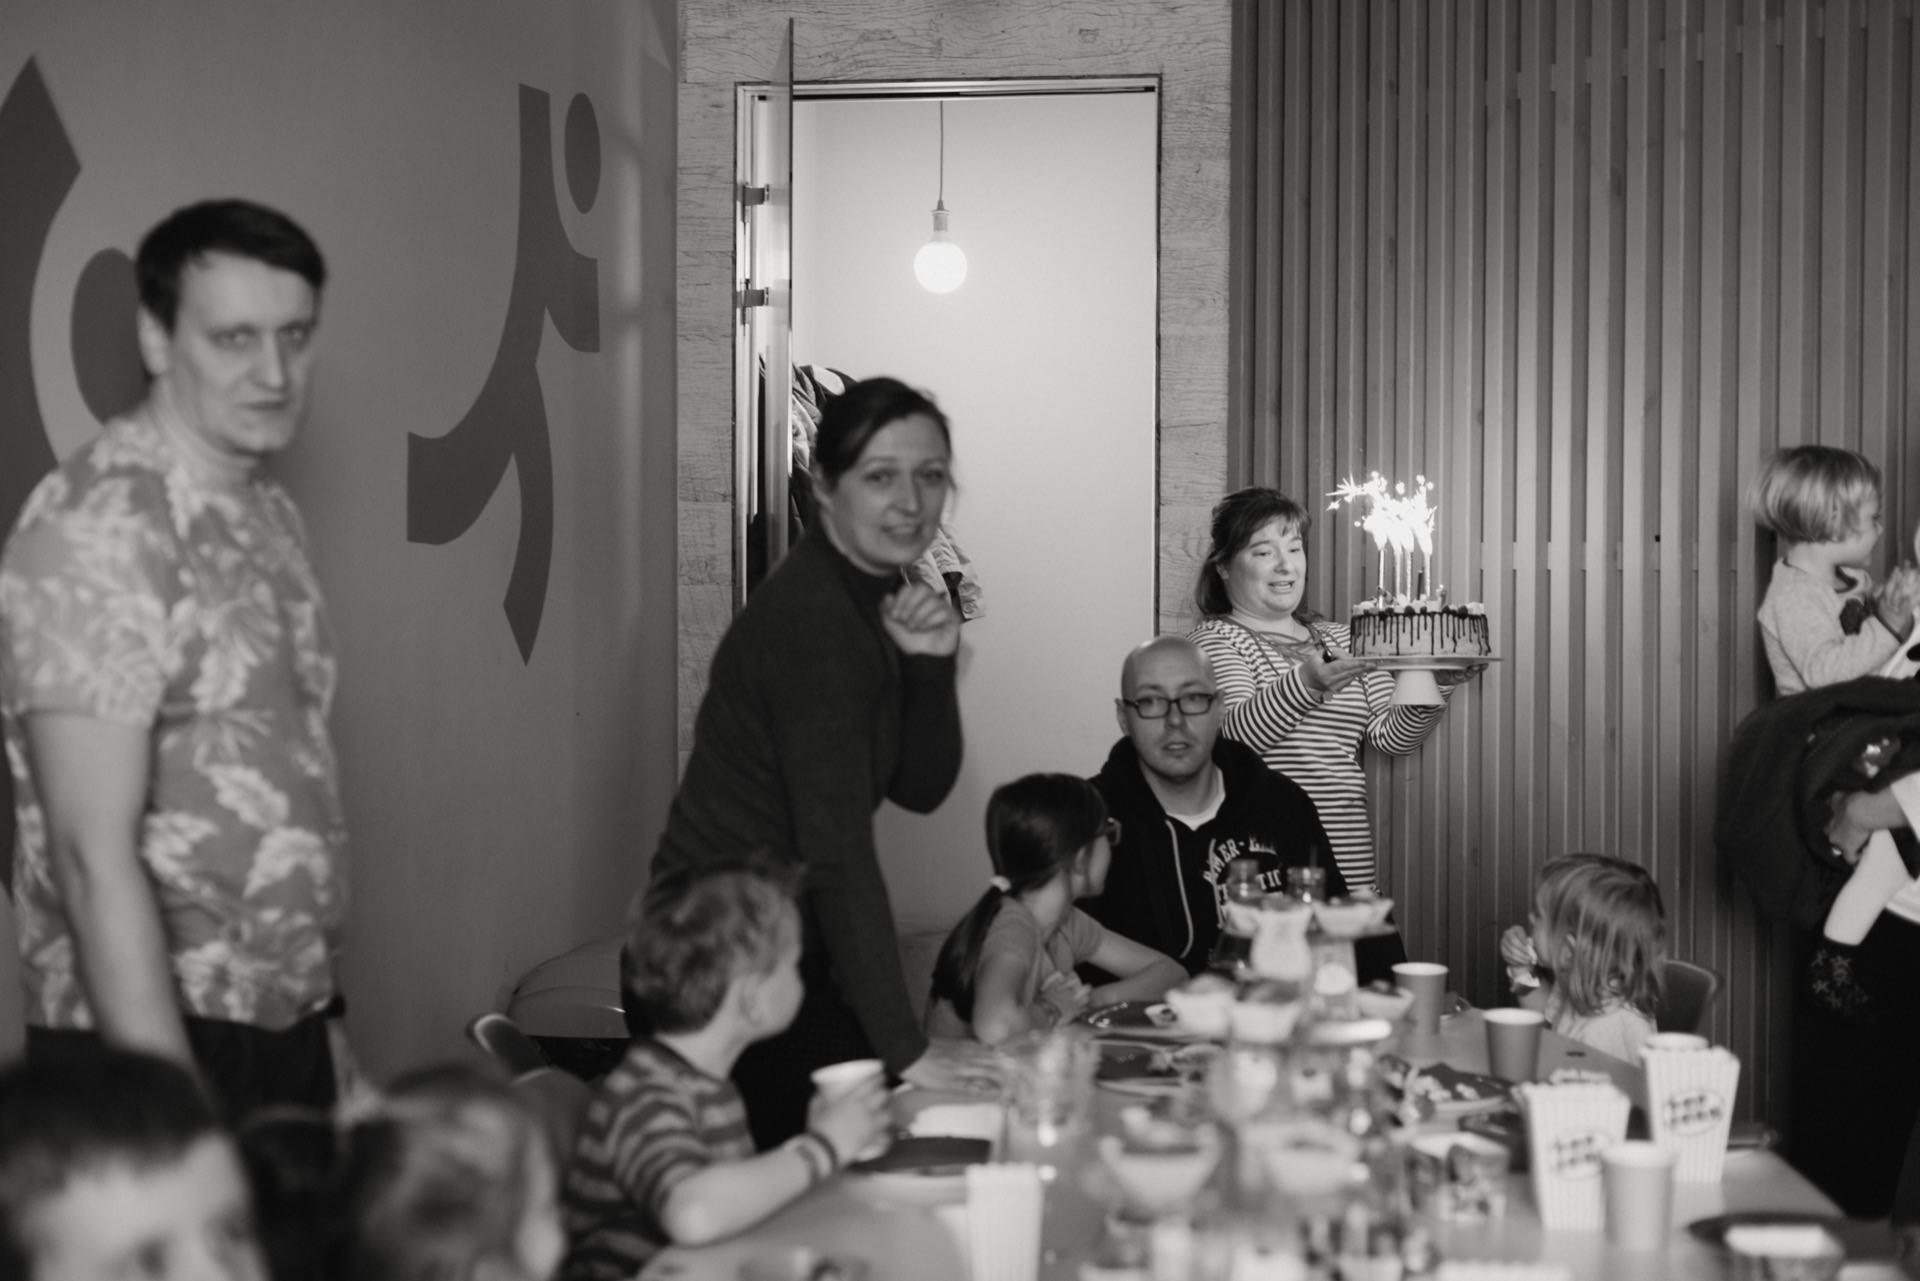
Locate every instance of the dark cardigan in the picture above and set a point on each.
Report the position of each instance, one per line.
(811, 717)
(1786, 760)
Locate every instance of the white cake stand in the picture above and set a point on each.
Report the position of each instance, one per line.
(1413, 673)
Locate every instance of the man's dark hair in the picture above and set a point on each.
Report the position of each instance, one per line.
(83, 1113)
(238, 227)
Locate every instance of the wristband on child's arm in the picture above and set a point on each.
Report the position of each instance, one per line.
(816, 1154)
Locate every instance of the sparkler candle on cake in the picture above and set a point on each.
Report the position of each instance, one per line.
(1404, 621)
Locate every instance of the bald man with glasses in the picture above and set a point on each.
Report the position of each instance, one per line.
(1190, 802)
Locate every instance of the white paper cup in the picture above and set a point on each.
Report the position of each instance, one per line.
(836, 1079)
(1637, 1178)
(1004, 1204)
(1427, 980)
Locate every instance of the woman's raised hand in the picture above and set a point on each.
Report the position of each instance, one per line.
(955, 1065)
(921, 620)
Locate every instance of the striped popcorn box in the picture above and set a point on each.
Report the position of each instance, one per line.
(1690, 1107)
(1568, 1127)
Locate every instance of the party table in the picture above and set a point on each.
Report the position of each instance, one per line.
(903, 1237)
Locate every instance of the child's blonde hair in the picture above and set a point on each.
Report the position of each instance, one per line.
(1813, 493)
(698, 932)
(438, 1179)
(1608, 932)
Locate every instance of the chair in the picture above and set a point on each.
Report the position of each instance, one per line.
(561, 1099)
(501, 1039)
(1690, 992)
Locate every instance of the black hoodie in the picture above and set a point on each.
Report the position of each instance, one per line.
(1166, 881)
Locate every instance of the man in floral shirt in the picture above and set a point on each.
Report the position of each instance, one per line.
(165, 674)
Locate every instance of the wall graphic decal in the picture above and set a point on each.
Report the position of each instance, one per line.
(38, 166)
(452, 478)
(106, 350)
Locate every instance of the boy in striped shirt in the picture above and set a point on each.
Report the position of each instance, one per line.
(664, 1156)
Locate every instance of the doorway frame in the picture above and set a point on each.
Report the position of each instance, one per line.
(760, 417)
(1187, 44)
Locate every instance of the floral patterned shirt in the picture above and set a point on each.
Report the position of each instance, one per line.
(132, 593)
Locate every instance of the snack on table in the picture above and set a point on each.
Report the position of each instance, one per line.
(1124, 1066)
(1203, 1006)
(1132, 1016)
(1442, 1089)
(1382, 1000)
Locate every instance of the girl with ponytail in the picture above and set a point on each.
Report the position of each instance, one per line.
(1008, 966)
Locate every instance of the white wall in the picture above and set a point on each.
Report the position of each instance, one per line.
(502, 809)
(1044, 361)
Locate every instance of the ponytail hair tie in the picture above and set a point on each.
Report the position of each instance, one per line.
(1001, 883)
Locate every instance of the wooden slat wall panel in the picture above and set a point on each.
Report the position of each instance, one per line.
(1585, 263)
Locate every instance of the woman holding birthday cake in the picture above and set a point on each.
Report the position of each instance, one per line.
(1292, 690)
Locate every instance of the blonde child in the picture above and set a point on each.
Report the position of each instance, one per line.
(448, 1176)
(1008, 965)
(1821, 621)
(711, 966)
(1596, 943)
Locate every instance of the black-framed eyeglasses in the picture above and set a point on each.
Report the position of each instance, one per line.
(1154, 707)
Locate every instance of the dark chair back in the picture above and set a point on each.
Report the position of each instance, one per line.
(501, 1039)
(1690, 992)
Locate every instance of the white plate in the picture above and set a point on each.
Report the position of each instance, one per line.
(1423, 662)
(1131, 1020)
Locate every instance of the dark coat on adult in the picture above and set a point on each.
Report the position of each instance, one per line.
(1167, 880)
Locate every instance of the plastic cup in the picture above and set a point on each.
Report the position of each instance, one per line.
(836, 1079)
(1427, 980)
(1513, 1043)
(1638, 1182)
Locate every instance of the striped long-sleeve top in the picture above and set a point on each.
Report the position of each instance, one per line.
(655, 1120)
(1313, 742)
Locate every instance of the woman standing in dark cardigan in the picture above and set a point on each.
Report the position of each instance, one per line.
(834, 689)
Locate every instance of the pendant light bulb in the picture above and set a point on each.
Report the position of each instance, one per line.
(940, 266)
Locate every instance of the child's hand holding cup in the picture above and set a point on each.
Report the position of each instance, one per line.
(852, 1109)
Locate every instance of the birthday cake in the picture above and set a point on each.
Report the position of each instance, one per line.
(1407, 621)
(1426, 627)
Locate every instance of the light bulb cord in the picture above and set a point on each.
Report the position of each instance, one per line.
(940, 200)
